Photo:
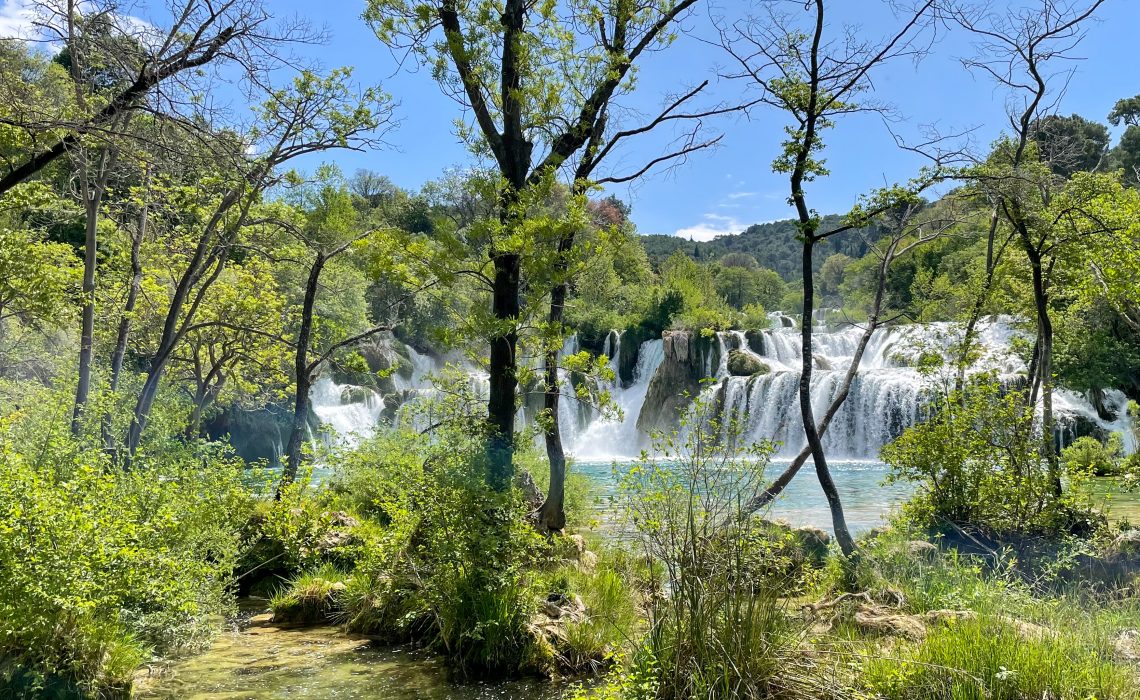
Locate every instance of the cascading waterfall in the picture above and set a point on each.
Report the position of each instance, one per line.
(887, 394)
(602, 437)
(351, 412)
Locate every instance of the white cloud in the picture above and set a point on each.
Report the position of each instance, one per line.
(712, 226)
(16, 19)
(741, 195)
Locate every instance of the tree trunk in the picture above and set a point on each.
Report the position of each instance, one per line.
(552, 515)
(304, 375)
(979, 304)
(838, 520)
(92, 204)
(503, 381)
(1044, 371)
(123, 335)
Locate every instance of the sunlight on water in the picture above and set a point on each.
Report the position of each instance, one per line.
(867, 501)
(262, 661)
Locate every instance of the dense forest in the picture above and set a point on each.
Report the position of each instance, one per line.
(192, 283)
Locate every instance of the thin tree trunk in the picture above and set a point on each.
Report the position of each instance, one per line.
(503, 381)
(834, 504)
(304, 375)
(123, 335)
(552, 515)
(178, 316)
(979, 304)
(1045, 370)
(92, 204)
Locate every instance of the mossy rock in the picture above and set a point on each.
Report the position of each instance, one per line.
(744, 364)
(355, 394)
(317, 603)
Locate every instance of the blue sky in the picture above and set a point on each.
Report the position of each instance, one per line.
(727, 189)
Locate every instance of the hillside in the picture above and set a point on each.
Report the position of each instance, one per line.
(773, 244)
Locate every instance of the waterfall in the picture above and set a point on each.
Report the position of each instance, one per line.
(887, 395)
(351, 412)
(604, 438)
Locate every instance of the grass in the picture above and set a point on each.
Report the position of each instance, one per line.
(984, 658)
(313, 597)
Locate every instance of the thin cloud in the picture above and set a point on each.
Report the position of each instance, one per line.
(742, 195)
(16, 19)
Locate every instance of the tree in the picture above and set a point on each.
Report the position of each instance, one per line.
(737, 285)
(907, 231)
(1016, 48)
(831, 276)
(202, 32)
(1126, 154)
(1070, 144)
(236, 345)
(313, 115)
(813, 81)
(330, 230)
(537, 85)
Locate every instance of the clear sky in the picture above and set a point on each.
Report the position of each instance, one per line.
(725, 190)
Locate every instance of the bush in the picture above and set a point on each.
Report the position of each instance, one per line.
(979, 467)
(453, 564)
(1087, 455)
(103, 567)
(717, 626)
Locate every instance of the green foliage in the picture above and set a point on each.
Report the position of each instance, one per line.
(102, 567)
(1088, 455)
(978, 464)
(721, 630)
(312, 597)
(990, 658)
(451, 565)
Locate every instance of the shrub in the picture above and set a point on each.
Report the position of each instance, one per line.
(979, 466)
(102, 567)
(453, 564)
(1087, 455)
(716, 627)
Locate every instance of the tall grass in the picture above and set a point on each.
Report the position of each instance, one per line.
(988, 659)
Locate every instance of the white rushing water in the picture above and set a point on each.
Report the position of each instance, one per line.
(338, 406)
(887, 395)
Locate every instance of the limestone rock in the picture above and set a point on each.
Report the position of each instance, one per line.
(745, 364)
(921, 549)
(674, 384)
(755, 341)
(1127, 646)
(1126, 545)
(814, 541)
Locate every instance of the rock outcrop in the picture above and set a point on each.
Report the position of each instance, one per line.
(688, 358)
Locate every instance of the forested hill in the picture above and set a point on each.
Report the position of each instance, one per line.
(773, 244)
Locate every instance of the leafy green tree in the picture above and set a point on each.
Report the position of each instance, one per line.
(536, 82)
(1126, 153)
(314, 114)
(831, 276)
(1071, 144)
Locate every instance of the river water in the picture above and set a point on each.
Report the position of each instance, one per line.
(256, 660)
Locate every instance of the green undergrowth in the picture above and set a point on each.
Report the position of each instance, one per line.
(989, 632)
(990, 659)
(103, 568)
